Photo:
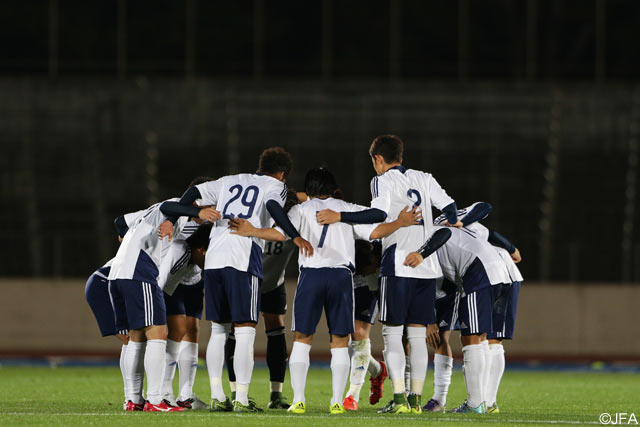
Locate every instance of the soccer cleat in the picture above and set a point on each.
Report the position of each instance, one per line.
(192, 403)
(250, 407)
(297, 408)
(336, 408)
(377, 385)
(434, 406)
(132, 407)
(276, 401)
(396, 406)
(414, 403)
(493, 409)
(466, 409)
(217, 406)
(161, 407)
(350, 403)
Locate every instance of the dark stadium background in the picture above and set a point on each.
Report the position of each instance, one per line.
(532, 105)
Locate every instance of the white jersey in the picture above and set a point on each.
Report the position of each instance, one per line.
(141, 250)
(176, 268)
(240, 196)
(132, 217)
(333, 245)
(392, 192)
(457, 254)
(482, 232)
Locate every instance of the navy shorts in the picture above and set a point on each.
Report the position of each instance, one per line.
(366, 304)
(231, 295)
(505, 307)
(475, 313)
(330, 289)
(97, 295)
(141, 304)
(405, 300)
(186, 300)
(274, 301)
(447, 307)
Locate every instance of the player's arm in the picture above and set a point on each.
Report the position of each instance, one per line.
(278, 214)
(436, 240)
(185, 207)
(405, 218)
(242, 227)
(442, 201)
(380, 204)
(497, 239)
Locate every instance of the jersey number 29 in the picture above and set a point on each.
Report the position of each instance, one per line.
(249, 198)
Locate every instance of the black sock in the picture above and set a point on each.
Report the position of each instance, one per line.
(229, 349)
(276, 354)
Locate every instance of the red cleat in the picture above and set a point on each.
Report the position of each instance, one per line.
(161, 407)
(377, 385)
(131, 407)
(350, 403)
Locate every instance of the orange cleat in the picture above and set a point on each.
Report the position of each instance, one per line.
(350, 403)
(377, 385)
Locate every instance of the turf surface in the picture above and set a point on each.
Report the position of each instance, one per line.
(69, 396)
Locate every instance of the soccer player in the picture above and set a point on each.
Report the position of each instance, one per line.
(180, 278)
(273, 306)
(233, 264)
(133, 282)
(96, 293)
(407, 295)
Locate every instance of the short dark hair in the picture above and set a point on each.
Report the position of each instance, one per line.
(274, 160)
(390, 147)
(200, 237)
(199, 180)
(292, 199)
(320, 182)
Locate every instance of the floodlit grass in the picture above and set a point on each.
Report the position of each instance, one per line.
(69, 396)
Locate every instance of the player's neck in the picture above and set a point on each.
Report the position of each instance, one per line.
(387, 166)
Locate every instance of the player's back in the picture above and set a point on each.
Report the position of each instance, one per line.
(333, 245)
(243, 196)
(457, 254)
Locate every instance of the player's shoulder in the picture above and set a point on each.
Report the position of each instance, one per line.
(418, 174)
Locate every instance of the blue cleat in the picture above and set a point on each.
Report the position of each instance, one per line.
(466, 409)
(434, 406)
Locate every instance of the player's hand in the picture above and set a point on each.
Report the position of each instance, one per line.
(241, 227)
(516, 256)
(409, 217)
(119, 239)
(209, 214)
(458, 224)
(327, 216)
(413, 259)
(166, 229)
(305, 247)
(433, 335)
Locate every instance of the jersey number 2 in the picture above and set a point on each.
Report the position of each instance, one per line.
(417, 200)
(249, 198)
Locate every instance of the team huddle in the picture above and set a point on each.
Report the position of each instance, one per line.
(225, 245)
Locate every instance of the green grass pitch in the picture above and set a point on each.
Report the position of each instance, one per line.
(93, 396)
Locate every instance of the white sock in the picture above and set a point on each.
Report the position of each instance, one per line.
(243, 361)
(495, 373)
(275, 386)
(474, 364)
(394, 356)
(374, 367)
(154, 367)
(215, 359)
(298, 368)
(173, 348)
(232, 386)
(187, 365)
(360, 355)
(442, 368)
(123, 353)
(340, 364)
(133, 360)
(407, 374)
(487, 368)
(419, 357)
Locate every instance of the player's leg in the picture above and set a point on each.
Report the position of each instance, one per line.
(273, 308)
(229, 350)
(217, 309)
(360, 350)
(307, 311)
(243, 290)
(421, 313)
(177, 326)
(188, 354)
(475, 322)
(393, 306)
(339, 309)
